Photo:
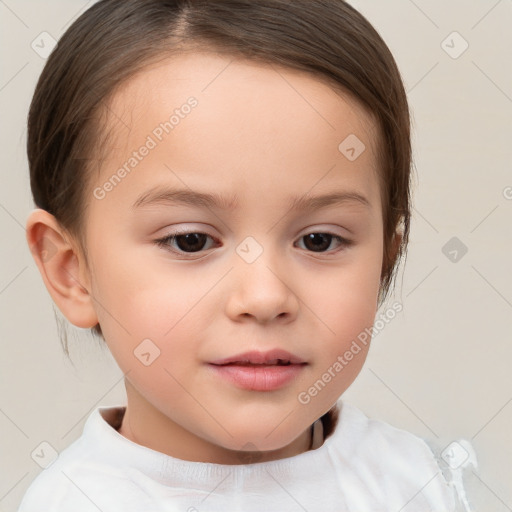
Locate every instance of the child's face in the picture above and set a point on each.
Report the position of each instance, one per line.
(264, 136)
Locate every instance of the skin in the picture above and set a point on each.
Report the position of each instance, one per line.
(262, 134)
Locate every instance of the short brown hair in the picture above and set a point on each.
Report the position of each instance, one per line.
(114, 39)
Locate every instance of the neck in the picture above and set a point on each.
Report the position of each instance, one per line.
(147, 426)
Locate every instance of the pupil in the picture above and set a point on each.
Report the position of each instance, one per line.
(320, 241)
(191, 241)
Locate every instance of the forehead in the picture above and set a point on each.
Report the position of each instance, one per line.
(217, 76)
(258, 122)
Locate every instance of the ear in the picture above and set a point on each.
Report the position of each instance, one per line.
(62, 268)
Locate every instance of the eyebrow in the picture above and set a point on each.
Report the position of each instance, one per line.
(168, 196)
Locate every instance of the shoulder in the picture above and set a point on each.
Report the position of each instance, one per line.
(54, 487)
(372, 437)
(73, 480)
(396, 462)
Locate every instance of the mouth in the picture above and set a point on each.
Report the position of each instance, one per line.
(259, 371)
(275, 357)
(275, 362)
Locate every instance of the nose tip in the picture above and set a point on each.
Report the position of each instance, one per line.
(261, 294)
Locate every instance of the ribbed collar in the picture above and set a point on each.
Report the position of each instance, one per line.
(113, 448)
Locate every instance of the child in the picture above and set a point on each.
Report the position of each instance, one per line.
(275, 136)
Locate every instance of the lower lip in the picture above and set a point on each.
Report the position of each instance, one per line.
(259, 378)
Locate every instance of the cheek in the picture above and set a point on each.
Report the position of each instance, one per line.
(155, 338)
(345, 304)
(342, 348)
(137, 302)
(346, 299)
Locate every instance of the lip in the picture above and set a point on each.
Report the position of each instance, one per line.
(255, 357)
(259, 371)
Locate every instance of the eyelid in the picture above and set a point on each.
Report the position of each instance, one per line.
(344, 243)
(163, 242)
(182, 231)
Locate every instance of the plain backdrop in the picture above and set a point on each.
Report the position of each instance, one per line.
(440, 368)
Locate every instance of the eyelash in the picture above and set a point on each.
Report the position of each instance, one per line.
(165, 241)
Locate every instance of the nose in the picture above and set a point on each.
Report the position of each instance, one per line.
(261, 292)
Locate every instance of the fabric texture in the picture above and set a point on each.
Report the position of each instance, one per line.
(365, 465)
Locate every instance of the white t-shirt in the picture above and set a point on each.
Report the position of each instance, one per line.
(365, 465)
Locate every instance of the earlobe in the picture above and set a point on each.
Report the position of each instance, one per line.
(61, 266)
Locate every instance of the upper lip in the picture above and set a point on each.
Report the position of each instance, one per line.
(276, 356)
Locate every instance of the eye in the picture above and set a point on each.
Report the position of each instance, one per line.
(319, 242)
(192, 242)
(184, 242)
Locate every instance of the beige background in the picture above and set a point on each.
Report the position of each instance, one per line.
(440, 369)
